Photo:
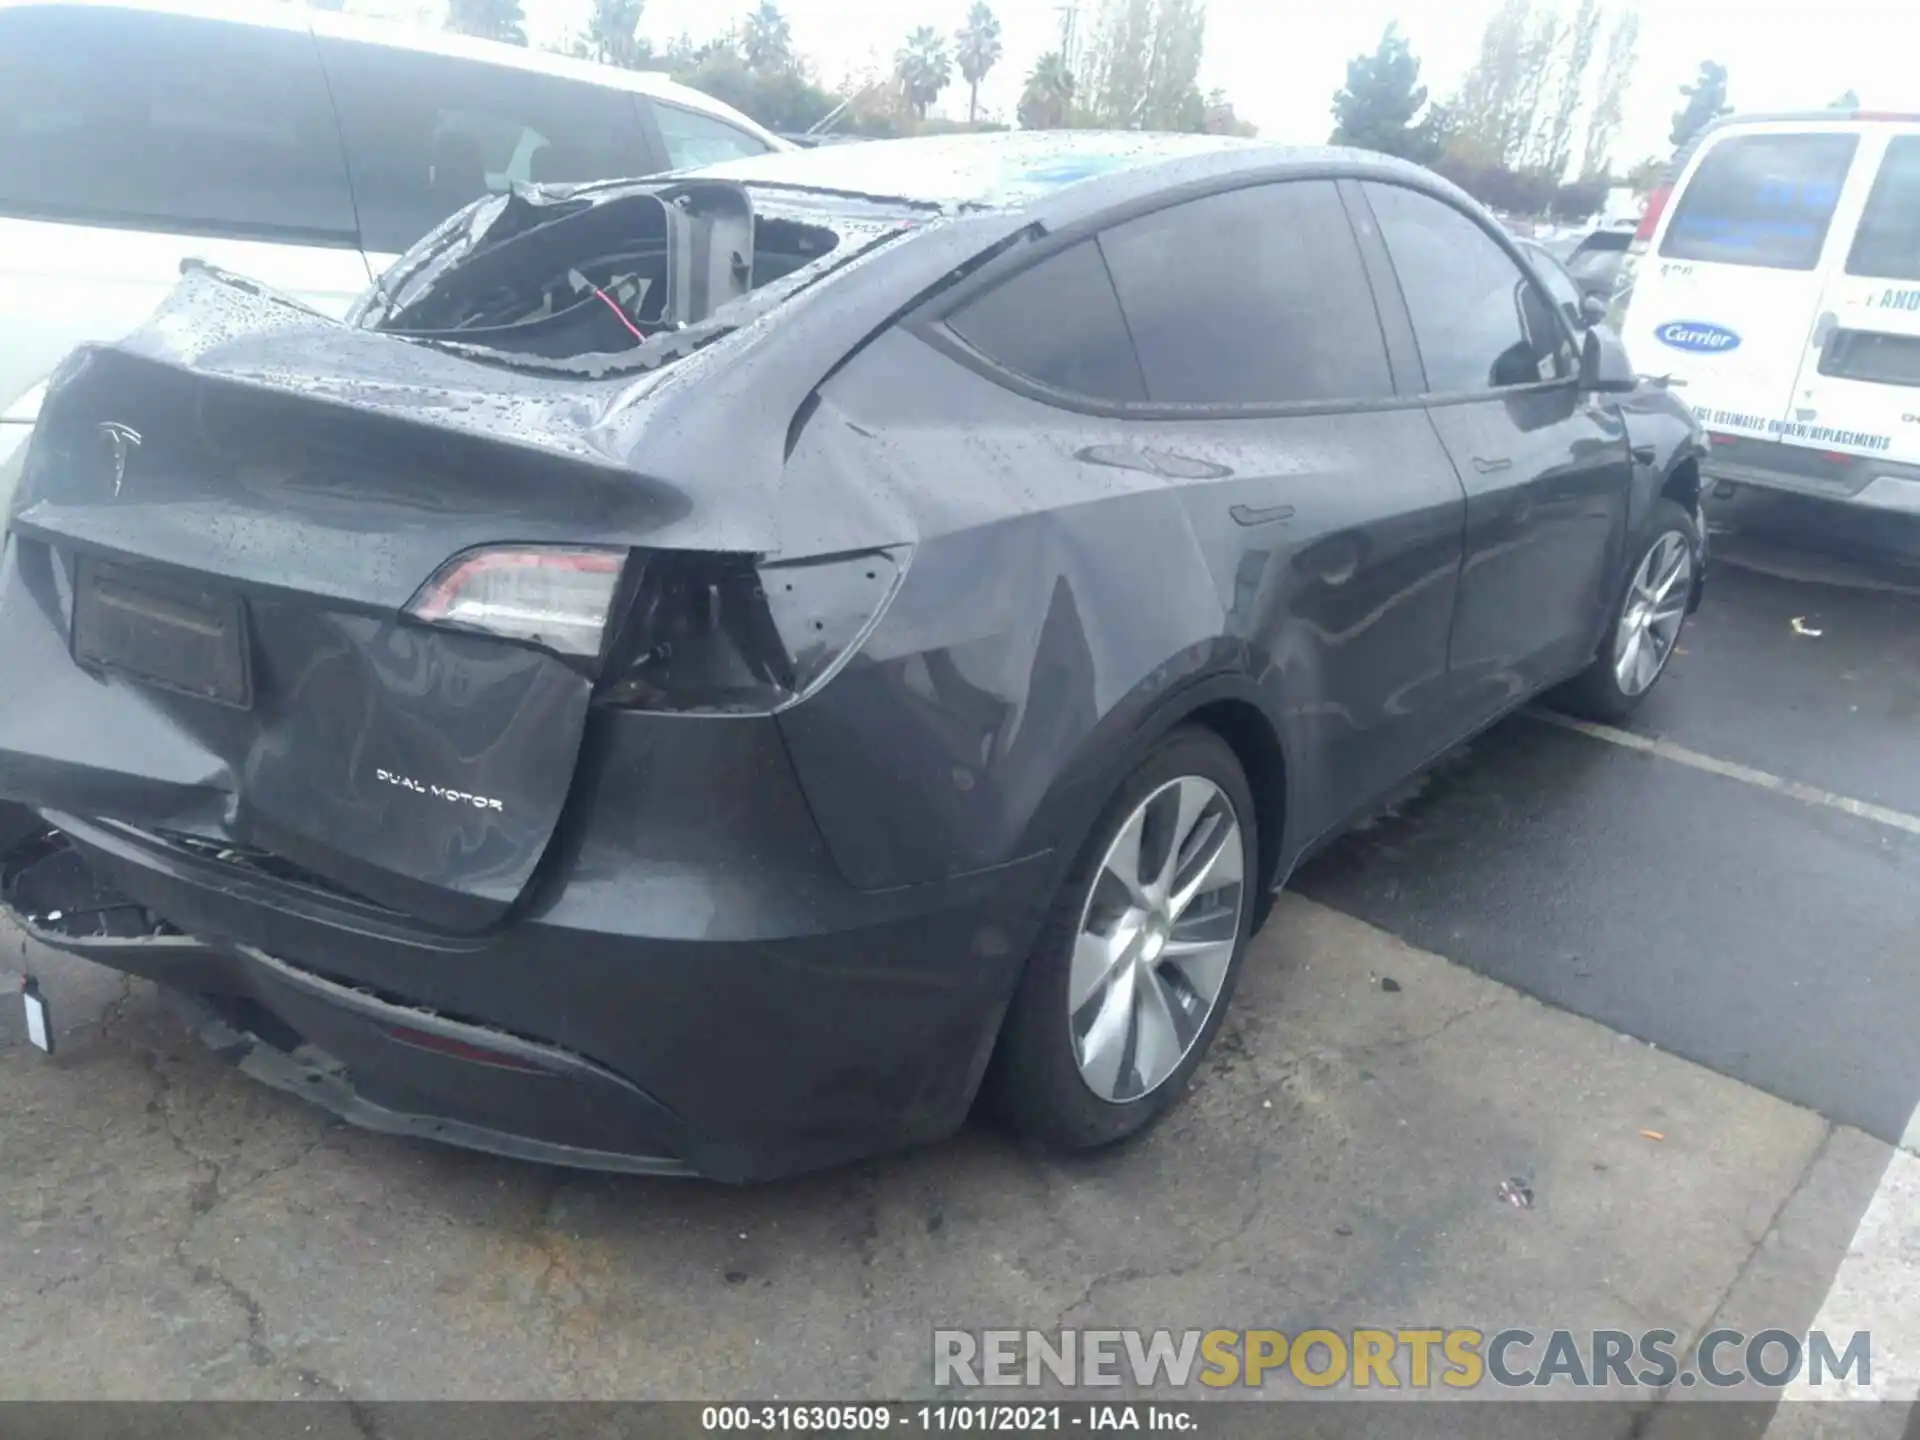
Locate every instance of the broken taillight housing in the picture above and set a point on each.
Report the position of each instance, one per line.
(675, 631)
(723, 634)
(553, 596)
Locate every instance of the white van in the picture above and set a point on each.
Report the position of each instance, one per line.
(1776, 282)
(301, 148)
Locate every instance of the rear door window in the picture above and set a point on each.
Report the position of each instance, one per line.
(168, 122)
(427, 134)
(1887, 244)
(1059, 323)
(1253, 297)
(1481, 322)
(692, 139)
(1763, 200)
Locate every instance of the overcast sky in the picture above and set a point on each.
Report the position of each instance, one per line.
(1281, 62)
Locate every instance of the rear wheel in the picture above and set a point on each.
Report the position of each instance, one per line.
(1647, 619)
(1138, 957)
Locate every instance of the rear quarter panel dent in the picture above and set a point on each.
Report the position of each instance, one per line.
(1043, 592)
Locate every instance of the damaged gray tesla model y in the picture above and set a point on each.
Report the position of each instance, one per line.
(713, 674)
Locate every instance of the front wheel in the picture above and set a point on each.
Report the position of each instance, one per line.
(1138, 957)
(1647, 620)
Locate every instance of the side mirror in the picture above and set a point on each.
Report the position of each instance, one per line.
(1604, 365)
(1593, 309)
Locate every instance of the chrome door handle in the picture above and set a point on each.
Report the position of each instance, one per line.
(1489, 467)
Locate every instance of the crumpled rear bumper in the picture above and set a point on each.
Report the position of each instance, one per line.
(373, 1060)
(737, 1060)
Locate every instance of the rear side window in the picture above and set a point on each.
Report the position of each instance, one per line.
(691, 139)
(1253, 297)
(1058, 323)
(1481, 322)
(167, 122)
(427, 134)
(1762, 200)
(1887, 244)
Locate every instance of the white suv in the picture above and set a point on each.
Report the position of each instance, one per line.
(1776, 281)
(300, 148)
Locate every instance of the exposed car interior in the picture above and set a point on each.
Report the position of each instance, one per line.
(603, 273)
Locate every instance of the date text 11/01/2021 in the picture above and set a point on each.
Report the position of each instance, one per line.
(958, 1417)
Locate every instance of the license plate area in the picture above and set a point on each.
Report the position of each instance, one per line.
(171, 633)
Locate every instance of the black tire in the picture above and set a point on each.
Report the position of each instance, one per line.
(1595, 693)
(1034, 1084)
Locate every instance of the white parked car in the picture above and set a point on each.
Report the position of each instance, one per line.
(1776, 281)
(299, 148)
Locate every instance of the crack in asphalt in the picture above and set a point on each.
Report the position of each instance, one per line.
(1402, 1042)
(208, 1194)
(1129, 1274)
(110, 1014)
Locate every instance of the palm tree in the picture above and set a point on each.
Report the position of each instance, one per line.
(1047, 101)
(767, 40)
(613, 32)
(924, 67)
(979, 52)
(488, 19)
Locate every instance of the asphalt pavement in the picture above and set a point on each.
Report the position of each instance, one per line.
(1770, 938)
(1455, 1001)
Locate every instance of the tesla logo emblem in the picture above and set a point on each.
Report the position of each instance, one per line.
(123, 440)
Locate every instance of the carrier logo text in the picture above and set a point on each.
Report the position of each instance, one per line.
(1697, 337)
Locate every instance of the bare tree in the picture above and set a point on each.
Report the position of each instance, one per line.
(1610, 95)
(1524, 132)
(1112, 84)
(1570, 81)
(1484, 111)
(1141, 71)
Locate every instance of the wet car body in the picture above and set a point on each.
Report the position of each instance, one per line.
(544, 904)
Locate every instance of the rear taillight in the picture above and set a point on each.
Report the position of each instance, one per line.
(1650, 217)
(550, 596)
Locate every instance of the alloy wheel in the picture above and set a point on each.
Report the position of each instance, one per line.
(1655, 607)
(1156, 938)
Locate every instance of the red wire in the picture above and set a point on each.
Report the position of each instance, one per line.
(635, 329)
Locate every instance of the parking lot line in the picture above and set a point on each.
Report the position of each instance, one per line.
(1877, 1285)
(1746, 774)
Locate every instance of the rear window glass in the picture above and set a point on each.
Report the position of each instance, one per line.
(428, 134)
(1761, 200)
(1057, 322)
(168, 122)
(1887, 244)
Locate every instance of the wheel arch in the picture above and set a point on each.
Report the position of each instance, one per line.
(1226, 701)
(1682, 484)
